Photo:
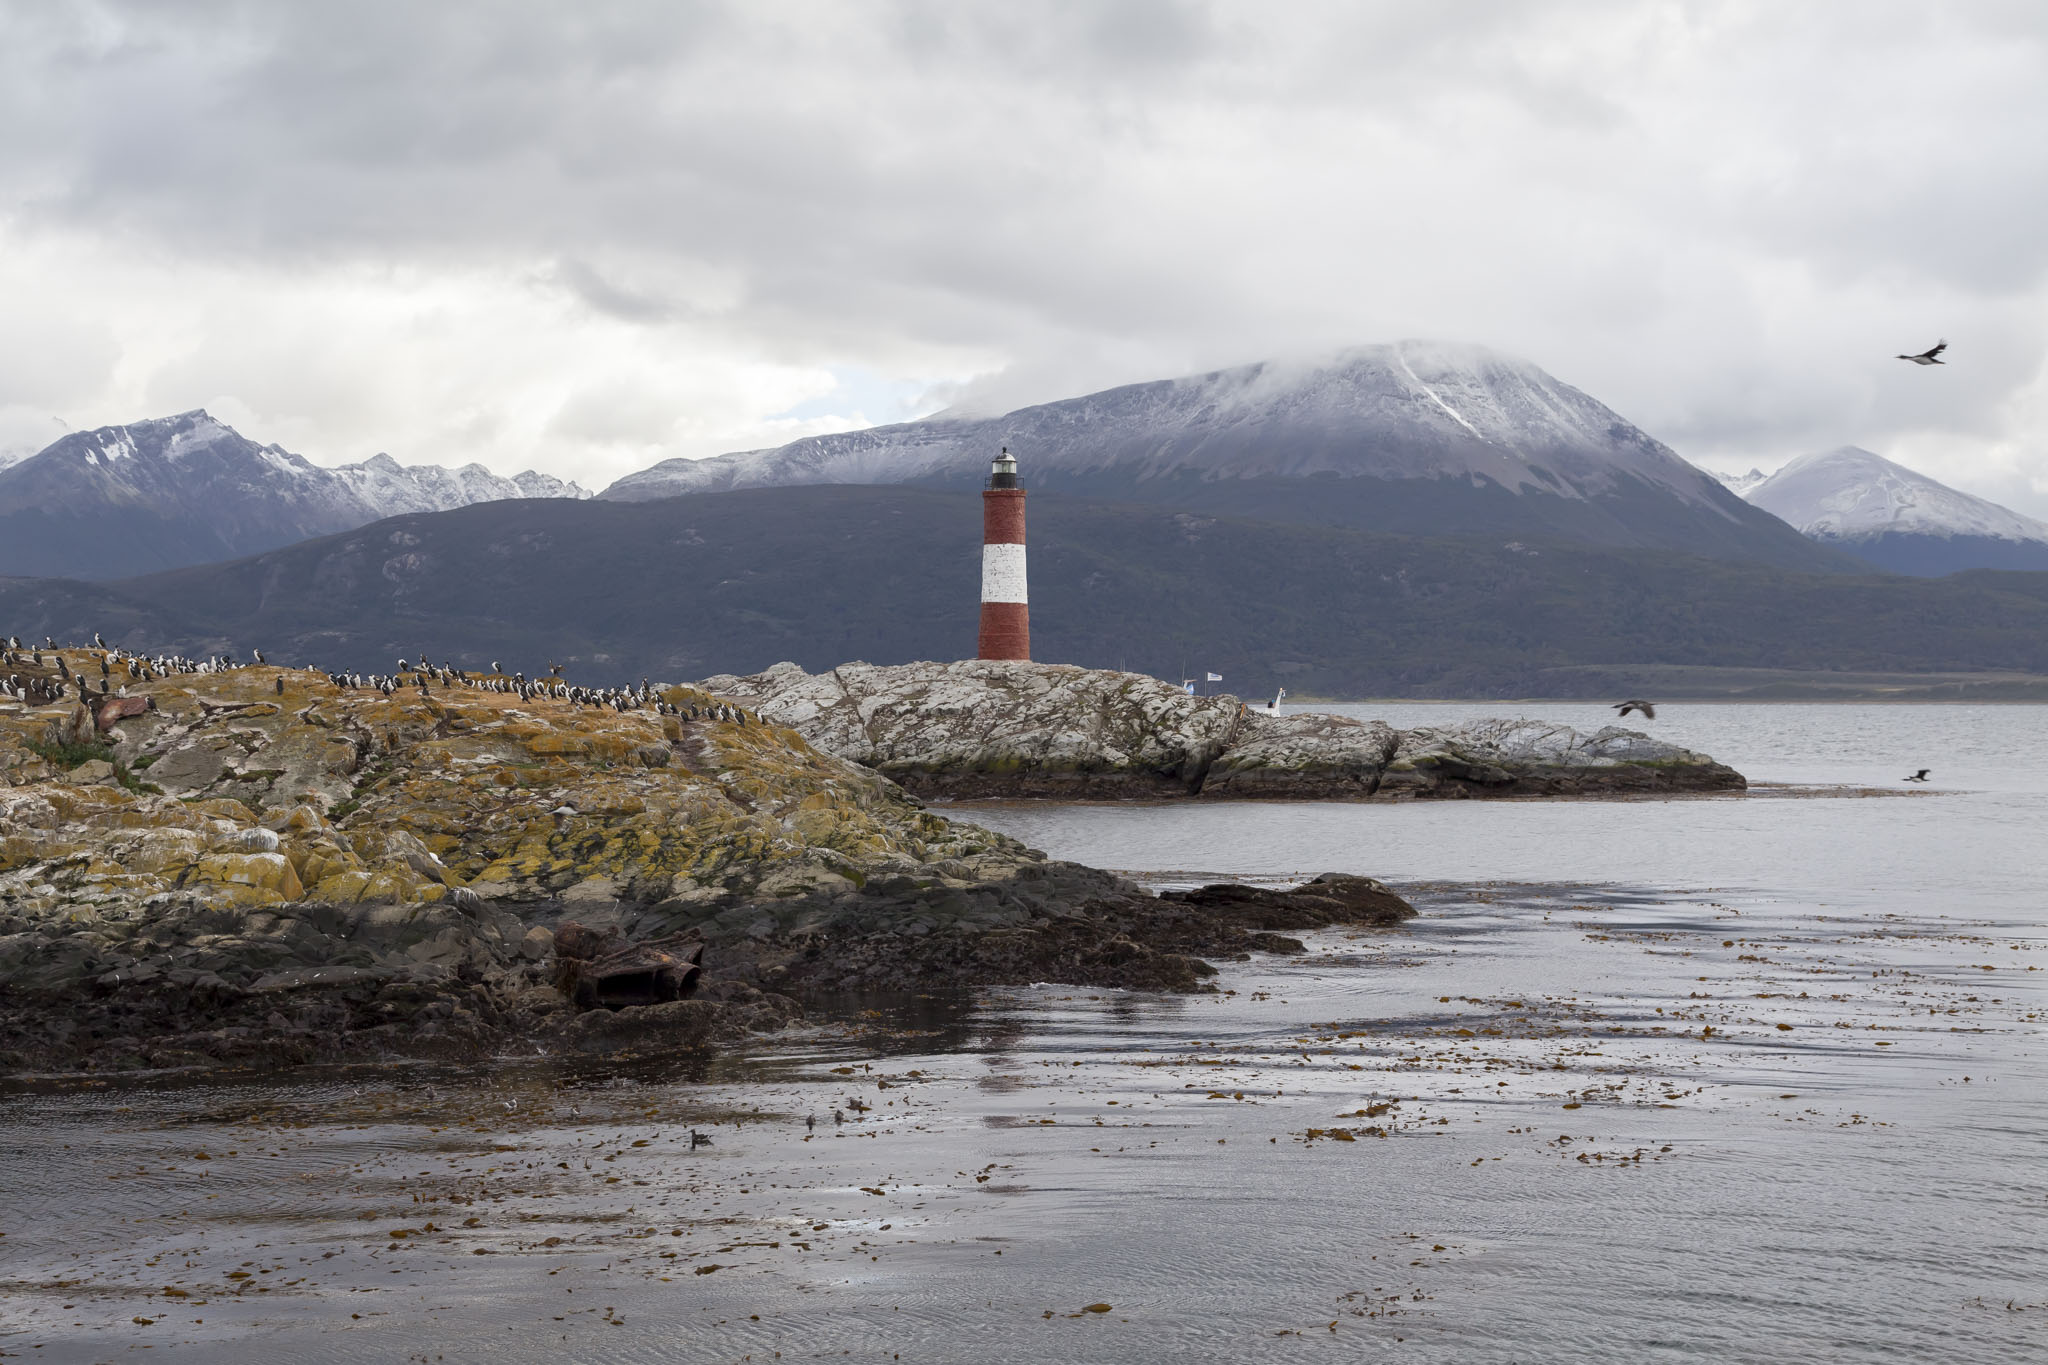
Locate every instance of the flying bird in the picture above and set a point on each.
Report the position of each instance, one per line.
(1635, 704)
(1929, 356)
(1920, 776)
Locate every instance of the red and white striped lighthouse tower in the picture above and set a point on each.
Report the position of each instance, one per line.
(1005, 608)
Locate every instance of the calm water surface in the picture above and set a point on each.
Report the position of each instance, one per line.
(1753, 1078)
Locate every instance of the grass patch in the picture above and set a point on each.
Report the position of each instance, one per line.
(128, 779)
(68, 756)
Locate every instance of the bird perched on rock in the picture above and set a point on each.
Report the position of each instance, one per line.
(1920, 776)
(838, 1117)
(1636, 704)
(698, 1139)
(810, 1121)
(1930, 356)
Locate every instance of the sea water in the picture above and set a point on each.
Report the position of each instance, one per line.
(1750, 1077)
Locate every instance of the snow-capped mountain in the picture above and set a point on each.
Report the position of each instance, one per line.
(1421, 437)
(1897, 519)
(390, 487)
(1740, 484)
(190, 489)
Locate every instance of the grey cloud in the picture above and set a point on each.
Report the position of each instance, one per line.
(1721, 218)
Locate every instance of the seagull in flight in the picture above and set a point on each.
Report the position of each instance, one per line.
(1930, 356)
(1920, 776)
(1636, 704)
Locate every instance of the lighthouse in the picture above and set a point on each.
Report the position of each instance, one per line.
(1005, 609)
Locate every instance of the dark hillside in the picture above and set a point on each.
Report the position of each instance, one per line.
(820, 575)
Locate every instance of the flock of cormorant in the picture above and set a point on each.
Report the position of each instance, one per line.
(52, 678)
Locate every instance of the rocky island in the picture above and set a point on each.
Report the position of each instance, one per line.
(988, 728)
(257, 866)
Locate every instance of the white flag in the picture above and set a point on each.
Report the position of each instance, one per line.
(1215, 677)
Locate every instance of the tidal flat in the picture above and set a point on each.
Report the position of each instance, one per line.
(1765, 1126)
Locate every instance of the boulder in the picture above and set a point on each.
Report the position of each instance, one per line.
(1539, 758)
(91, 773)
(1333, 898)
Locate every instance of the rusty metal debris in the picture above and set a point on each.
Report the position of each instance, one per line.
(110, 711)
(598, 969)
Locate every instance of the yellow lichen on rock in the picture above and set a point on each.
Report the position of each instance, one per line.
(259, 786)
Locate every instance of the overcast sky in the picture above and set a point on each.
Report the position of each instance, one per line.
(584, 237)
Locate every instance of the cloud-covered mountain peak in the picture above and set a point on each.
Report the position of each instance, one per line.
(1405, 410)
(1421, 437)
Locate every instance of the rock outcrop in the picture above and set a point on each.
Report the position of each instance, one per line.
(983, 728)
(265, 869)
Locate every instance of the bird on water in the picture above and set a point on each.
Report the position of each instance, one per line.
(1636, 704)
(1930, 356)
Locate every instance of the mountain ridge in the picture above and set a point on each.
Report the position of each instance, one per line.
(734, 582)
(165, 492)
